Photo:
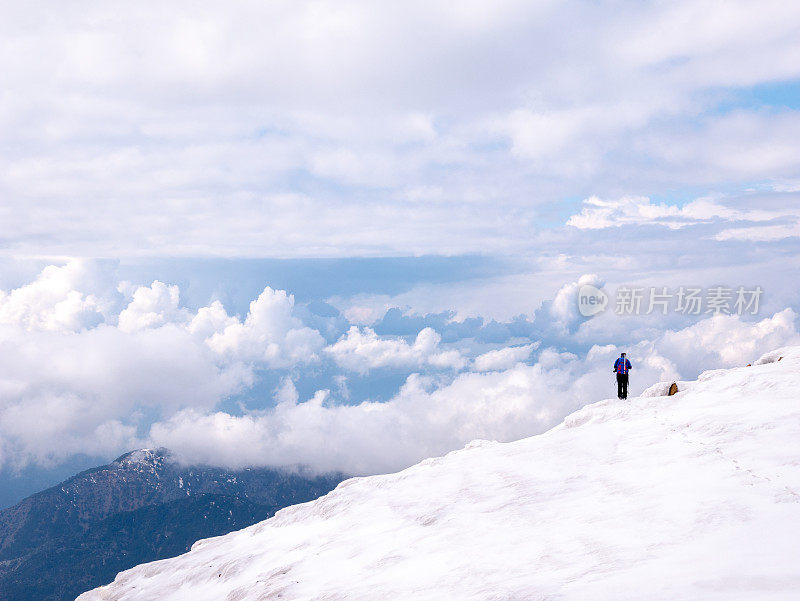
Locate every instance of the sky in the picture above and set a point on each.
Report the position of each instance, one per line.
(353, 235)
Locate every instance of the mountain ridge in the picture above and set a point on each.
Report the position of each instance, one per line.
(70, 537)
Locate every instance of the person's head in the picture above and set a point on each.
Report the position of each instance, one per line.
(622, 355)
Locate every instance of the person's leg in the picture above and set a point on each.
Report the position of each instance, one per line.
(619, 386)
(625, 386)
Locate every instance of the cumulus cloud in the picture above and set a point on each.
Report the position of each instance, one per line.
(270, 333)
(561, 315)
(151, 307)
(504, 358)
(76, 378)
(422, 420)
(727, 341)
(211, 320)
(429, 417)
(53, 301)
(59, 391)
(361, 349)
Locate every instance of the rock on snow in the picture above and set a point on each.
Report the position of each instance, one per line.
(694, 496)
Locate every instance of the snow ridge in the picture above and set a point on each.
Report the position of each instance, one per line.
(693, 496)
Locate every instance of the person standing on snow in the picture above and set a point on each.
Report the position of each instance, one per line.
(621, 368)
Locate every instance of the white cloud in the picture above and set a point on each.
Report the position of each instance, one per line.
(209, 130)
(600, 214)
(502, 359)
(75, 380)
(538, 135)
(764, 233)
(210, 320)
(428, 417)
(727, 341)
(82, 388)
(735, 146)
(52, 301)
(58, 391)
(151, 307)
(270, 333)
(422, 420)
(361, 349)
(562, 315)
(500, 296)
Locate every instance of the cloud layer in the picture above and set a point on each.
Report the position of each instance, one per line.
(97, 367)
(428, 418)
(600, 214)
(342, 128)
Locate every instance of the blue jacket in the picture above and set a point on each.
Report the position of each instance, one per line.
(622, 366)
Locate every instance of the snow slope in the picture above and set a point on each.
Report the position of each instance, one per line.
(689, 497)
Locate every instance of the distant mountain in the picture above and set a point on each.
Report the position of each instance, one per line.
(141, 507)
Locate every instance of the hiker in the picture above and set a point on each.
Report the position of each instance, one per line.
(621, 368)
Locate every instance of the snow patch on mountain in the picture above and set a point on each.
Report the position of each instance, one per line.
(691, 496)
(145, 457)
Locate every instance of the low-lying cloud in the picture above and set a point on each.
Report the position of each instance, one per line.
(429, 417)
(90, 371)
(361, 350)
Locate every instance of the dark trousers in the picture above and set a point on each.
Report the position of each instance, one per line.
(622, 386)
